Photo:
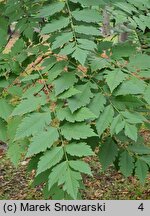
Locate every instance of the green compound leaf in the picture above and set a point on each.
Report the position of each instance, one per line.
(16, 150)
(141, 170)
(97, 104)
(43, 140)
(98, 63)
(77, 131)
(68, 48)
(87, 30)
(80, 55)
(51, 9)
(139, 149)
(61, 40)
(12, 126)
(146, 159)
(126, 164)
(117, 125)
(139, 61)
(28, 105)
(131, 131)
(57, 173)
(87, 15)
(114, 78)
(69, 93)
(33, 124)
(133, 118)
(55, 71)
(79, 115)
(87, 44)
(71, 182)
(133, 86)
(147, 94)
(5, 109)
(64, 82)
(80, 99)
(55, 25)
(15, 91)
(79, 149)
(80, 166)
(104, 119)
(3, 130)
(50, 159)
(32, 90)
(128, 101)
(108, 153)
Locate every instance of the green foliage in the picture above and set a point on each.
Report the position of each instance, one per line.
(126, 163)
(79, 149)
(65, 89)
(80, 115)
(114, 78)
(104, 119)
(77, 131)
(5, 110)
(81, 99)
(46, 137)
(64, 82)
(49, 159)
(108, 152)
(32, 123)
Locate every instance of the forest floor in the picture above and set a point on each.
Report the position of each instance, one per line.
(17, 184)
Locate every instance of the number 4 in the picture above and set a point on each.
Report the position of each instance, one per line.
(141, 207)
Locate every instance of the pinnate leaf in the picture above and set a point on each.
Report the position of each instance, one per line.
(49, 159)
(108, 153)
(28, 105)
(97, 104)
(87, 15)
(43, 140)
(77, 131)
(80, 166)
(87, 30)
(147, 94)
(69, 93)
(3, 130)
(51, 9)
(64, 82)
(71, 182)
(79, 115)
(33, 124)
(104, 119)
(61, 40)
(5, 109)
(133, 86)
(56, 173)
(139, 149)
(133, 118)
(80, 99)
(55, 25)
(126, 164)
(117, 125)
(114, 78)
(55, 71)
(79, 149)
(131, 131)
(80, 55)
(141, 170)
